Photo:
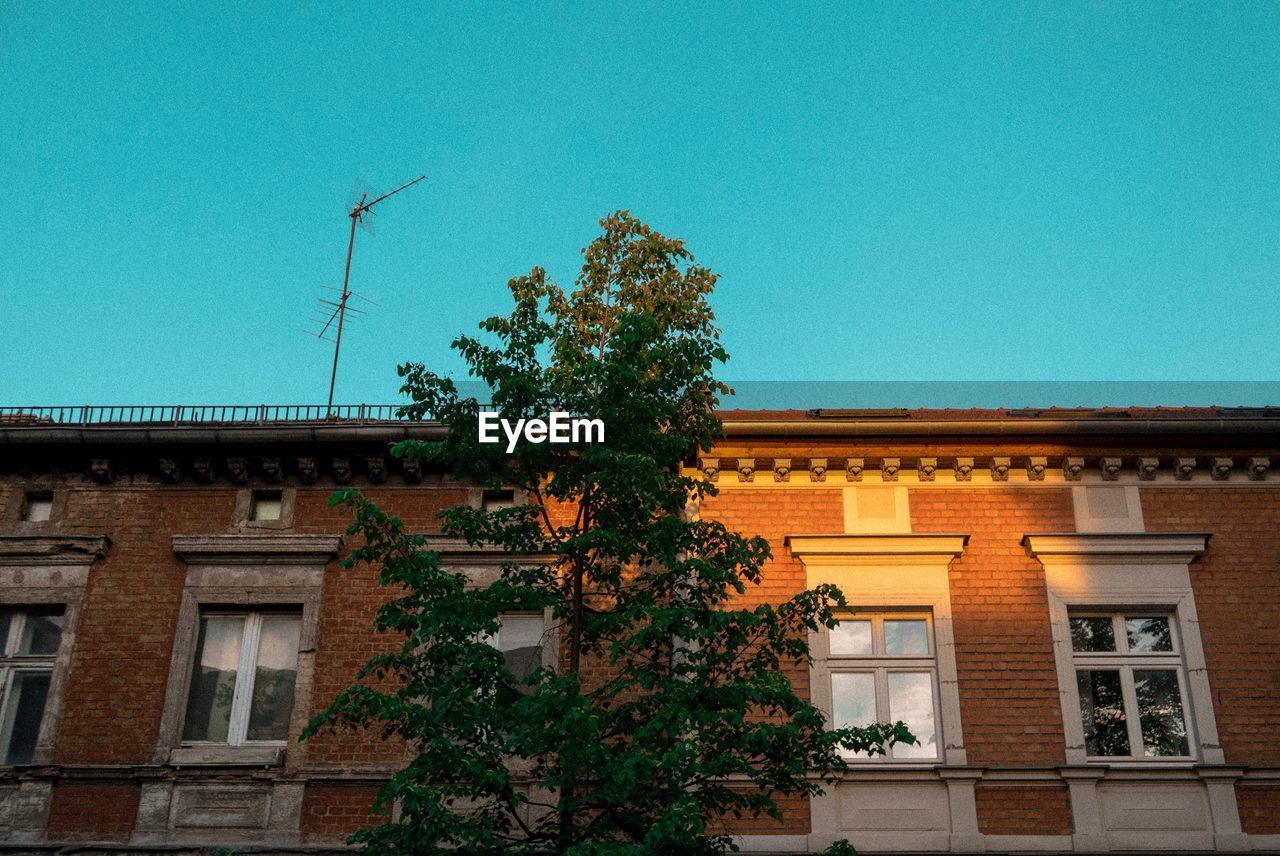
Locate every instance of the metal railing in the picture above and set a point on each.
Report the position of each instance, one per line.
(197, 414)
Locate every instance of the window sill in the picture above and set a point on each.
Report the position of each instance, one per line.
(223, 756)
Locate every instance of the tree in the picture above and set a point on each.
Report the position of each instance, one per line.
(670, 710)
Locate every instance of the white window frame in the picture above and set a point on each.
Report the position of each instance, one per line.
(1138, 573)
(1124, 661)
(881, 664)
(243, 572)
(12, 663)
(246, 675)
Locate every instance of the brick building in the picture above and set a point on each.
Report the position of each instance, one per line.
(1078, 612)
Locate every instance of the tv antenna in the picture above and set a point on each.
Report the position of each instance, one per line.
(338, 311)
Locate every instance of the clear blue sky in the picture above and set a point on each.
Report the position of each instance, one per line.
(890, 191)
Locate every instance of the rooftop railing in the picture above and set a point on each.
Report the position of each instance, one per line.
(198, 414)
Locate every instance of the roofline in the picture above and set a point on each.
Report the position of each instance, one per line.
(1005, 427)
(390, 432)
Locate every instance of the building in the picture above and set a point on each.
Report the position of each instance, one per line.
(1078, 610)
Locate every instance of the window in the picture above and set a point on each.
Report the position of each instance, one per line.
(1129, 676)
(243, 678)
(38, 507)
(883, 669)
(495, 500)
(30, 638)
(519, 638)
(266, 505)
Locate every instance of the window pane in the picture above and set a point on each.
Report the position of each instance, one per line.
(851, 638)
(23, 712)
(41, 633)
(520, 641)
(274, 678)
(266, 505)
(911, 700)
(6, 621)
(213, 680)
(1092, 634)
(39, 508)
(1160, 711)
(1102, 713)
(1148, 634)
(906, 636)
(853, 702)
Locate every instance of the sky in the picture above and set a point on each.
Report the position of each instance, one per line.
(890, 192)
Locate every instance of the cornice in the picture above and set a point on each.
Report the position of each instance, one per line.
(835, 546)
(1149, 470)
(257, 549)
(1117, 547)
(52, 549)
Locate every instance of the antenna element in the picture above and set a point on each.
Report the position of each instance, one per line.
(360, 210)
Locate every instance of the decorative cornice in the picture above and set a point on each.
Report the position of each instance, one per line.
(817, 469)
(256, 549)
(52, 549)
(928, 470)
(781, 469)
(1117, 547)
(835, 546)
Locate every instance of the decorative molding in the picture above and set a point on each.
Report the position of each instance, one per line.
(1110, 468)
(1147, 468)
(256, 549)
(341, 468)
(52, 549)
(746, 469)
(926, 469)
(202, 470)
(1000, 469)
(853, 469)
(781, 469)
(1118, 547)
(1184, 468)
(170, 472)
(710, 468)
(963, 469)
(1036, 467)
(411, 468)
(272, 471)
(1220, 469)
(100, 471)
(1258, 468)
(1072, 468)
(889, 469)
(308, 470)
(817, 469)
(376, 466)
(238, 470)
(458, 551)
(809, 547)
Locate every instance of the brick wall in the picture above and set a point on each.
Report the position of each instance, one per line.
(344, 638)
(1259, 809)
(1237, 588)
(1023, 810)
(330, 813)
(124, 642)
(83, 812)
(1004, 647)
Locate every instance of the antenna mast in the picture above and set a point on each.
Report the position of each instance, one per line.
(359, 211)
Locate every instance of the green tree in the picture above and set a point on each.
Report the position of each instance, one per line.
(671, 709)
